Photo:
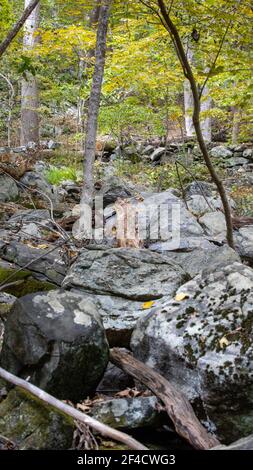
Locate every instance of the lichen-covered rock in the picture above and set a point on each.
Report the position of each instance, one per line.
(49, 265)
(123, 283)
(8, 189)
(214, 224)
(6, 302)
(130, 413)
(244, 242)
(58, 340)
(33, 425)
(221, 152)
(201, 340)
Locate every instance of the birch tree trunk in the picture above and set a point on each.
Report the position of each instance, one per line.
(94, 104)
(206, 105)
(29, 90)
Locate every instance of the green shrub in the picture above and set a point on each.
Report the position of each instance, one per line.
(56, 175)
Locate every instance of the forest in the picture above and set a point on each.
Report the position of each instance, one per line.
(126, 228)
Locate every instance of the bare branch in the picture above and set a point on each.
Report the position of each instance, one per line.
(70, 411)
(13, 33)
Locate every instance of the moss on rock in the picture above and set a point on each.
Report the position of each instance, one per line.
(31, 424)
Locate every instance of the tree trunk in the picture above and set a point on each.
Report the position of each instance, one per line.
(173, 31)
(17, 27)
(236, 125)
(29, 91)
(94, 104)
(206, 105)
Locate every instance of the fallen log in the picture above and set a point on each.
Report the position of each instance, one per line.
(177, 406)
(101, 428)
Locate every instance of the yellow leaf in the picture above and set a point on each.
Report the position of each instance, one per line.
(42, 247)
(182, 296)
(223, 342)
(147, 305)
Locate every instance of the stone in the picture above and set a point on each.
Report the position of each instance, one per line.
(29, 216)
(37, 182)
(201, 188)
(58, 340)
(201, 340)
(25, 283)
(21, 149)
(8, 189)
(248, 153)
(156, 155)
(114, 188)
(236, 161)
(44, 265)
(148, 150)
(221, 152)
(244, 242)
(214, 223)
(6, 303)
(52, 145)
(199, 205)
(164, 222)
(193, 262)
(33, 425)
(123, 283)
(115, 380)
(129, 413)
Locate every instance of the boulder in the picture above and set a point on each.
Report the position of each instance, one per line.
(244, 242)
(8, 189)
(115, 380)
(123, 283)
(236, 161)
(37, 182)
(129, 413)
(164, 223)
(33, 425)
(201, 188)
(44, 265)
(201, 340)
(156, 155)
(6, 303)
(58, 340)
(248, 153)
(221, 152)
(214, 224)
(114, 188)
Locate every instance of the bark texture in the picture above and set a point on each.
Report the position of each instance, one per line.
(94, 103)
(29, 89)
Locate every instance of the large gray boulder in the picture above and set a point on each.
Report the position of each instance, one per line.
(166, 223)
(8, 189)
(57, 339)
(201, 340)
(221, 152)
(214, 224)
(123, 282)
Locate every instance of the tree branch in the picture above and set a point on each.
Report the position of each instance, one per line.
(70, 411)
(17, 27)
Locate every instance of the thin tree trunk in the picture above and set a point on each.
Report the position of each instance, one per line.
(177, 406)
(206, 122)
(70, 411)
(94, 104)
(236, 125)
(172, 29)
(29, 88)
(17, 27)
